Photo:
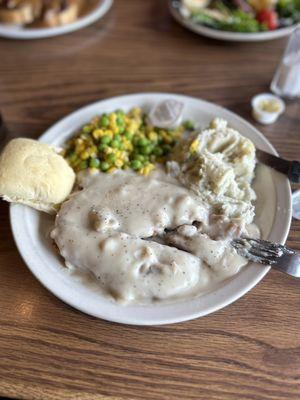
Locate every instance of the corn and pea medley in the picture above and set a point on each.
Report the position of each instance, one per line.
(120, 141)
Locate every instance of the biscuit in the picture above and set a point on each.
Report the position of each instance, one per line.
(32, 173)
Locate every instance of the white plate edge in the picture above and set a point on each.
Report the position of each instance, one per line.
(34, 33)
(217, 306)
(227, 35)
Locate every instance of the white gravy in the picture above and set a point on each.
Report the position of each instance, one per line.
(107, 229)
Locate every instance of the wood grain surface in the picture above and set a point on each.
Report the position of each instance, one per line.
(249, 350)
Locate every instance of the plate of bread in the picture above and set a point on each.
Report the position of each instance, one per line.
(35, 19)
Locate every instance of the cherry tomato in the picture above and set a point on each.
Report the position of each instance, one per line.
(268, 18)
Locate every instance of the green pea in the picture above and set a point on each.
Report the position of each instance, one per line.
(158, 151)
(120, 120)
(94, 163)
(83, 164)
(143, 142)
(134, 140)
(106, 139)
(146, 150)
(104, 166)
(129, 135)
(111, 157)
(115, 144)
(102, 147)
(122, 128)
(189, 125)
(117, 137)
(104, 121)
(72, 157)
(136, 165)
(87, 129)
(139, 157)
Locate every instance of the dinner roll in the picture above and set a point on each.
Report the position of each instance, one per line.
(32, 173)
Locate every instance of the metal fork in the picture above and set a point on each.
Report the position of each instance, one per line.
(276, 255)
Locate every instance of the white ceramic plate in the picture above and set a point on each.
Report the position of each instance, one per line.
(31, 228)
(20, 32)
(225, 35)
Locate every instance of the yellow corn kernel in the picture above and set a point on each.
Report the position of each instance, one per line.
(194, 145)
(168, 139)
(127, 145)
(150, 167)
(97, 133)
(153, 136)
(93, 149)
(163, 134)
(108, 150)
(84, 155)
(79, 148)
(119, 163)
(133, 126)
(147, 169)
(79, 141)
(111, 169)
(114, 128)
(135, 112)
(112, 118)
(109, 133)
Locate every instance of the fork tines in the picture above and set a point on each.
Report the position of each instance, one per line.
(259, 250)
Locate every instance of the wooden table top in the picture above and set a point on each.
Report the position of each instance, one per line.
(249, 350)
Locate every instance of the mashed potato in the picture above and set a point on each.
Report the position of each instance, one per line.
(218, 164)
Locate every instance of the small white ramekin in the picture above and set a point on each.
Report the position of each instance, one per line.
(262, 116)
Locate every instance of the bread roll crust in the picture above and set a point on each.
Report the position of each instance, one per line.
(32, 173)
